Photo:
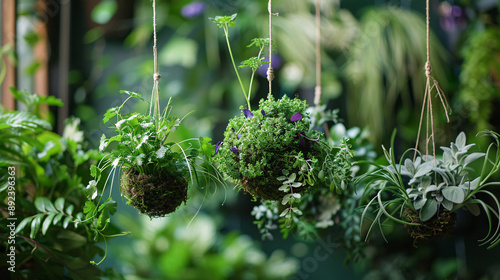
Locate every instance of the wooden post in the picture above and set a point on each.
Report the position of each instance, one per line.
(9, 37)
(40, 53)
(64, 64)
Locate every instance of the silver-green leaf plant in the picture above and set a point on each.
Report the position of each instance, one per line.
(431, 185)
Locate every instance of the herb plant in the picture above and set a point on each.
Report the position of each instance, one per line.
(274, 154)
(424, 193)
(156, 172)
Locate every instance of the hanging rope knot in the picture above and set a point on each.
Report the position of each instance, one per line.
(270, 73)
(156, 76)
(427, 69)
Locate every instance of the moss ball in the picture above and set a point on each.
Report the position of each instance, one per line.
(258, 145)
(438, 227)
(155, 195)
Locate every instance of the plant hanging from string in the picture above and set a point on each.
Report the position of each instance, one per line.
(155, 172)
(426, 190)
(272, 152)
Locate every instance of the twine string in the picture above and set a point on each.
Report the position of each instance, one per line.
(270, 70)
(317, 89)
(427, 110)
(154, 108)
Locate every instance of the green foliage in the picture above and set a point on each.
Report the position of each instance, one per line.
(257, 149)
(253, 63)
(54, 239)
(431, 185)
(141, 149)
(479, 76)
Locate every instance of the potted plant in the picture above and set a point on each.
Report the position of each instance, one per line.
(155, 172)
(424, 193)
(272, 152)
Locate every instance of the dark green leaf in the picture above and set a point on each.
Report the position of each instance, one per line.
(66, 221)
(35, 225)
(89, 209)
(57, 218)
(428, 210)
(43, 204)
(59, 204)
(23, 223)
(46, 223)
(111, 112)
(69, 210)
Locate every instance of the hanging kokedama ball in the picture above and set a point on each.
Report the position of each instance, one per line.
(261, 146)
(438, 227)
(155, 195)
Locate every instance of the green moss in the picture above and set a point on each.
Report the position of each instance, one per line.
(155, 195)
(268, 143)
(440, 226)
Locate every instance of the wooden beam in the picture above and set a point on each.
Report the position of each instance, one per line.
(41, 52)
(64, 64)
(9, 37)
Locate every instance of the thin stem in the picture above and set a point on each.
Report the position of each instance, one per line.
(226, 33)
(270, 72)
(253, 74)
(317, 90)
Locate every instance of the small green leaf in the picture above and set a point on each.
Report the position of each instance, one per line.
(57, 218)
(448, 205)
(46, 223)
(424, 169)
(89, 209)
(133, 94)
(460, 141)
(296, 211)
(428, 210)
(111, 112)
(419, 203)
(321, 175)
(59, 204)
(43, 204)
(69, 210)
(35, 225)
(454, 194)
(24, 223)
(284, 188)
(66, 221)
(285, 212)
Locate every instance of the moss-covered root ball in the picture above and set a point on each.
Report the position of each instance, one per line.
(438, 227)
(155, 195)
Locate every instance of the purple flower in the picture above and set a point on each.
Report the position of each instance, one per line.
(263, 112)
(217, 146)
(248, 113)
(192, 10)
(238, 136)
(296, 117)
(234, 149)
